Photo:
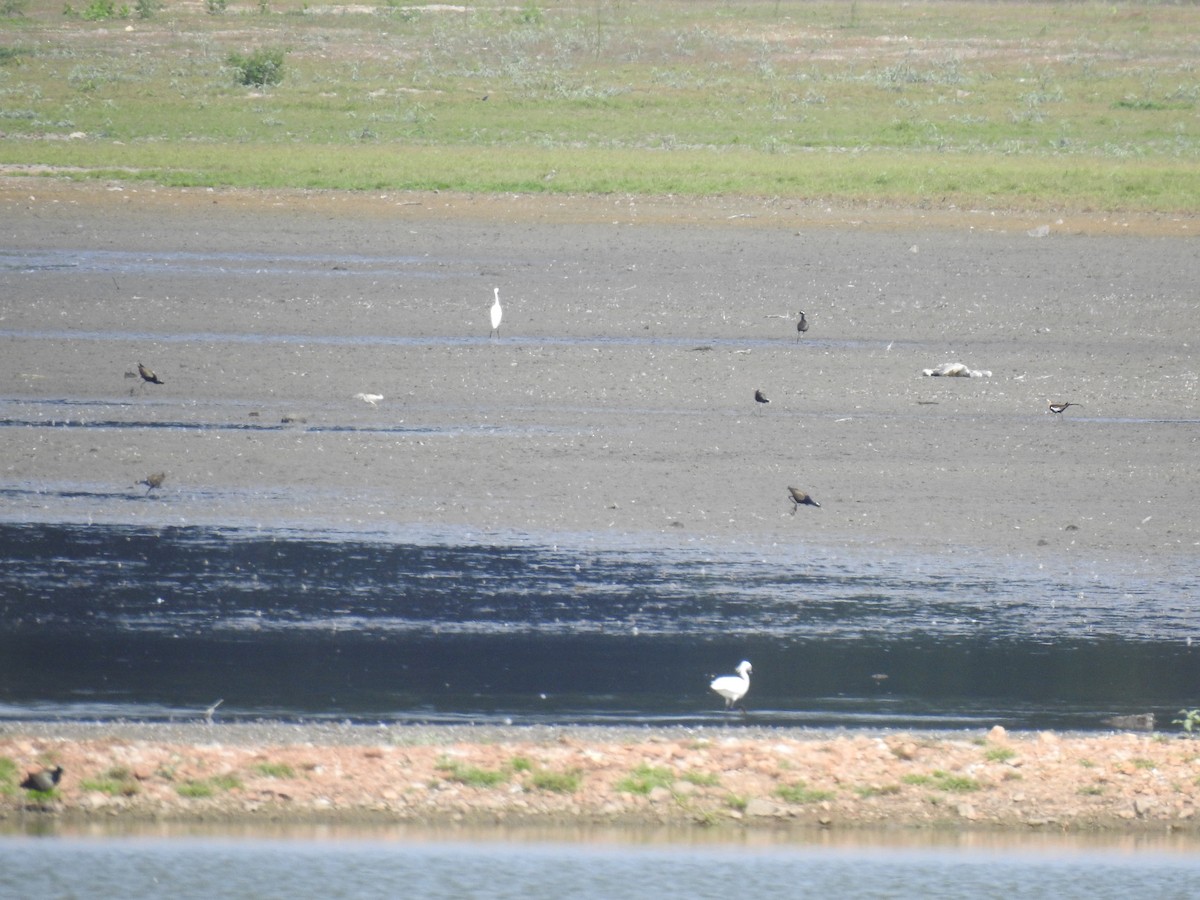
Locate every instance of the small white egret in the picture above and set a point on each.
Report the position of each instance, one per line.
(497, 312)
(733, 687)
(372, 399)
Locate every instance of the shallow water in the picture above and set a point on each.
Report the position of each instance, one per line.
(101, 621)
(198, 867)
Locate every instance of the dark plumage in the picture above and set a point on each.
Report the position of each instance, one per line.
(148, 375)
(760, 397)
(800, 498)
(153, 481)
(802, 325)
(1057, 406)
(45, 780)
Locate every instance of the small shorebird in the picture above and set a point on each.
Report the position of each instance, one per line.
(497, 313)
(45, 781)
(799, 498)
(733, 687)
(802, 325)
(148, 375)
(1057, 406)
(761, 398)
(371, 399)
(153, 481)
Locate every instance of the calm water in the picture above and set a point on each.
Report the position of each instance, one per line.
(184, 867)
(102, 621)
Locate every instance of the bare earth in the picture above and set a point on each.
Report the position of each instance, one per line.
(717, 777)
(616, 404)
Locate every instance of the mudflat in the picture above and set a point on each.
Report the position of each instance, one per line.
(618, 397)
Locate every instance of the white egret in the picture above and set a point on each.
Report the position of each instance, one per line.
(497, 312)
(372, 399)
(733, 687)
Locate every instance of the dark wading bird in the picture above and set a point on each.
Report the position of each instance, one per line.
(761, 398)
(802, 325)
(45, 781)
(799, 498)
(148, 375)
(733, 687)
(1057, 406)
(153, 481)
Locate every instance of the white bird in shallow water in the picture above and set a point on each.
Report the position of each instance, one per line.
(733, 687)
(497, 312)
(369, 398)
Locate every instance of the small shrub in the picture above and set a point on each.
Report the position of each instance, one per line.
(260, 68)
(99, 11)
(702, 779)
(146, 8)
(737, 802)
(877, 790)
(557, 782)
(644, 779)
(274, 770)
(194, 789)
(116, 781)
(943, 781)
(999, 754)
(1189, 720)
(471, 775)
(521, 764)
(11, 9)
(1140, 763)
(215, 7)
(801, 793)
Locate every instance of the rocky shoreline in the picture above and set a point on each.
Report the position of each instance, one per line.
(731, 778)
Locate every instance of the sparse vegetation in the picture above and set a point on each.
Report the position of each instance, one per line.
(943, 781)
(1189, 720)
(8, 776)
(117, 781)
(767, 99)
(274, 770)
(258, 68)
(208, 787)
(452, 770)
(646, 778)
(801, 793)
(999, 754)
(557, 782)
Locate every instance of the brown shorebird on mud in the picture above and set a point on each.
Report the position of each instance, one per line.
(799, 498)
(153, 482)
(148, 375)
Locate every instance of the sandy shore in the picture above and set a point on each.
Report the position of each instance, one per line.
(722, 777)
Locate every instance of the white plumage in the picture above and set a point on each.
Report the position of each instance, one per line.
(733, 687)
(497, 312)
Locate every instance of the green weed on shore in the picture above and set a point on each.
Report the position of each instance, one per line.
(1015, 104)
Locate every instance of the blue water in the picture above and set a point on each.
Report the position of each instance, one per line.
(102, 621)
(137, 868)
